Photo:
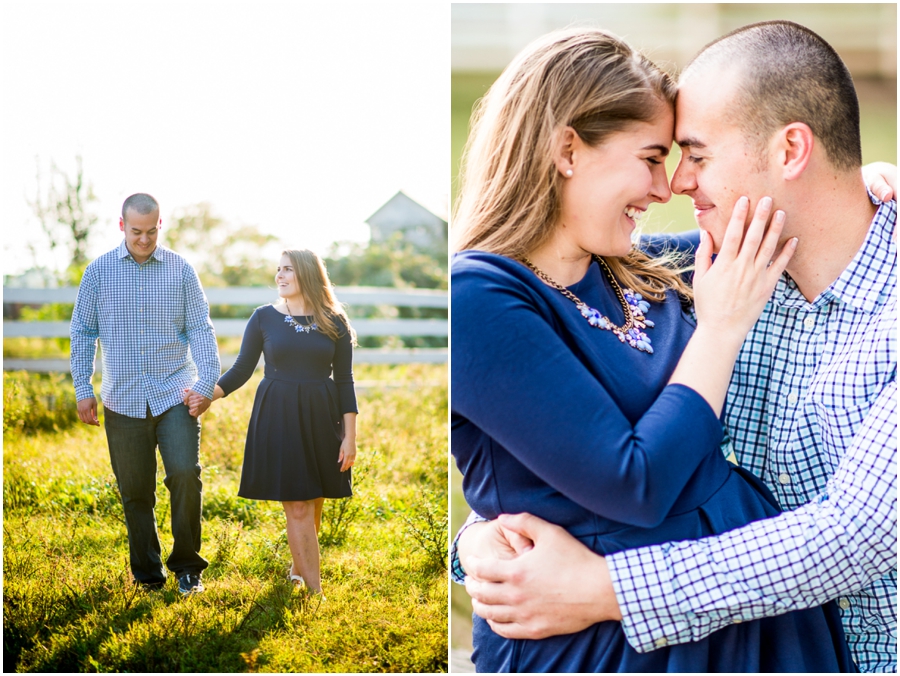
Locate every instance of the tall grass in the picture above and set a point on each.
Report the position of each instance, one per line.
(69, 603)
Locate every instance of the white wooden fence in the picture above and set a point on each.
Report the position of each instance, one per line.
(351, 295)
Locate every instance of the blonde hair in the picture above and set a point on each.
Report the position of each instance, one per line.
(318, 294)
(510, 196)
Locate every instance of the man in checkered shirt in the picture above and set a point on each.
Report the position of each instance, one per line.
(766, 110)
(145, 305)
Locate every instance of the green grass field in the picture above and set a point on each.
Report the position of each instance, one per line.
(68, 600)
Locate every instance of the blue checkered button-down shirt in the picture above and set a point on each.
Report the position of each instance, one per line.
(152, 321)
(812, 410)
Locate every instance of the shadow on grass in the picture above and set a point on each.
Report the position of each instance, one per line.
(161, 631)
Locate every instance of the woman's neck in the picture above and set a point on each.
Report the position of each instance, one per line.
(296, 305)
(566, 265)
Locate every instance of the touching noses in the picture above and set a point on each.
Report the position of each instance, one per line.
(659, 191)
(683, 180)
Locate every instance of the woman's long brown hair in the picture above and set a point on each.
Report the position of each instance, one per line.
(587, 79)
(318, 294)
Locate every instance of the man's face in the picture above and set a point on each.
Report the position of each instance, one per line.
(717, 165)
(141, 231)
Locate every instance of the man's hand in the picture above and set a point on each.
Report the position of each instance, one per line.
(196, 402)
(557, 587)
(87, 411)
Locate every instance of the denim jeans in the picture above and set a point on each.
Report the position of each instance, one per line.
(132, 450)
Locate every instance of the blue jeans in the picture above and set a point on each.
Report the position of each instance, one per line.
(132, 450)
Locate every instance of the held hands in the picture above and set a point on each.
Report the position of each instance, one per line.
(87, 411)
(730, 294)
(196, 402)
(558, 586)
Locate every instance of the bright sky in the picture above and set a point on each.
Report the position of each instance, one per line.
(301, 118)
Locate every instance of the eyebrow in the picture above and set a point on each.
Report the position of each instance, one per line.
(690, 143)
(662, 150)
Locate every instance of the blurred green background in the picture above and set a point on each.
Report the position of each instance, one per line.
(484, 38)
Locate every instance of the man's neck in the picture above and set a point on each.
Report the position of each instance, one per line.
(831, 224)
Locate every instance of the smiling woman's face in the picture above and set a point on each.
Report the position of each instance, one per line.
(613, 184)
(286, 278)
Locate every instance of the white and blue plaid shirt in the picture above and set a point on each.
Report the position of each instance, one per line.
(152, 321)
(812, 410)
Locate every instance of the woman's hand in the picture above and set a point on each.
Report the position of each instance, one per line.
(729, 296)
(347, 456)
(490, 540)
(348, 453)
(881, 180)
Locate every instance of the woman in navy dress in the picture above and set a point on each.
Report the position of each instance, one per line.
(584, 389)
(301, 440)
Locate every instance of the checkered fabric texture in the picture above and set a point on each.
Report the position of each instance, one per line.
(811, 410)
(152, 321)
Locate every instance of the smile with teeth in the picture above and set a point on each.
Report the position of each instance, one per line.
(633, 213)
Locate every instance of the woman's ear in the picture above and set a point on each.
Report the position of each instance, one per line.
(793, 149)
(564, 149)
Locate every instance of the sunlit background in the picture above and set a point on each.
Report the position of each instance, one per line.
(485, 38)
(299, 118)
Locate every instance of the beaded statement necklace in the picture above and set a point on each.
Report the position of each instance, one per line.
(298, 327)
(633, 305)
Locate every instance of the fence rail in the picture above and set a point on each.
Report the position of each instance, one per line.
(352, 295)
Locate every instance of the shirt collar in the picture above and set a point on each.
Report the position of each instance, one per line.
(868, 282)
(123, 252)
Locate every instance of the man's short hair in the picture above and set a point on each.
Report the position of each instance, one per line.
(140, 202)
(789, 74)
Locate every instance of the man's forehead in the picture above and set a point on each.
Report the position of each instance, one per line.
(703, 109)
(132, 216)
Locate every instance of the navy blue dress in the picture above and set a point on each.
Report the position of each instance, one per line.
(296, 427)
(557, 418)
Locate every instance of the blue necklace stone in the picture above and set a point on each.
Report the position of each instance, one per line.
(298, 327)
(633, 305)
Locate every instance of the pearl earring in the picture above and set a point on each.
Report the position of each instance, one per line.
(568, 173)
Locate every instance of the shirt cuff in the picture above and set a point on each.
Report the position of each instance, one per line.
(204, 388)
(84, 392)
(457, 574)
(651, 618)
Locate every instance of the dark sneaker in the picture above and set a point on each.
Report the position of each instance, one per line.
(190, 583)
(152, 586)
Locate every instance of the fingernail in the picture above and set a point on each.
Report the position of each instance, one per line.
(766, 202)
(885, 195)
(744, 201)
(794, 243)
(779, 216)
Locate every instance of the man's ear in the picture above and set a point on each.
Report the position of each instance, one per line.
(565, 144)
(121, 224)
(793, 149)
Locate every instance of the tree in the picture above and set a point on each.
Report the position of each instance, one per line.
(222, 253)
(66, 217)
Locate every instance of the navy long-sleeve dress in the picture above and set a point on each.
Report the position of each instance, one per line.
(296, 427)
(560, 419)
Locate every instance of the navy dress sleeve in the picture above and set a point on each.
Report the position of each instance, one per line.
(517, 380)
(342, 368)
(245, 364)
